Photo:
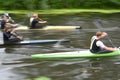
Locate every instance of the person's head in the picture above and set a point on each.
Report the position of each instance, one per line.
(5, 17)
(35, 15)
(6, 14)
(100, 34)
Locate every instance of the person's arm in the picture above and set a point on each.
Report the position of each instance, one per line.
(104, 34)
(110, 48)
(99, 43)
(13, 32)
(42, 21)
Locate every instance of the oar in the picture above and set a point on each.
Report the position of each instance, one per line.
(99, 26)
(25, 19)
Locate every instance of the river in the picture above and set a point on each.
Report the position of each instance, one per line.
(16, 63)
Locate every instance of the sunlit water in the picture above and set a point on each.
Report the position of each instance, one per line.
(16, 63)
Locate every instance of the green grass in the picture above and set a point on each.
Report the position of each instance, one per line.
(61, 11)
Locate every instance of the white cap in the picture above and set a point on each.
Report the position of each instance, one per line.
(6, 14)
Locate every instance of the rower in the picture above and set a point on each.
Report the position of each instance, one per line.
(7, 19)
(9, 34)
(3, 21)
(97, 46)
(36, 22)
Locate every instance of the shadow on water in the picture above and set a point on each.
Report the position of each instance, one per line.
(16, 63)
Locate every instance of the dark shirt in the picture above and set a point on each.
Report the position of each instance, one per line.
(3, 22)
(35, 24)
(7, 37)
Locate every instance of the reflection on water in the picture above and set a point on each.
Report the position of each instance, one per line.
(16, 63)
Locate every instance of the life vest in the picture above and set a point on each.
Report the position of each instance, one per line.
(95, 48)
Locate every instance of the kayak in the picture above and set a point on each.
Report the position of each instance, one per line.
(75, 54)
(27, 42)
(50, 28)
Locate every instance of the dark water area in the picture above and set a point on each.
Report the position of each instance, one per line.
(16, 63)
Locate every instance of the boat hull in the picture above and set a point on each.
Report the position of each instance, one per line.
(50, 28)
(28, 42)
(74, 54)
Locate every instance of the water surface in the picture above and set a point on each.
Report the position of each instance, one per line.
(16, 63)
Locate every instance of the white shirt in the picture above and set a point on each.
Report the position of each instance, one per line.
(31, 19)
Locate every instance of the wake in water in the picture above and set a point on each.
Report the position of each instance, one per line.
(58, 44)
(59, 47)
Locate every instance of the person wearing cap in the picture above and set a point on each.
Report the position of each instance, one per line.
(36, 22)
(6, 19)
(10, 19)
(3, 21)
(97, 45)
(9, 34)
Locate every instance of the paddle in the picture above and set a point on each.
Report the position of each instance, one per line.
(25, 19)
(99, 26)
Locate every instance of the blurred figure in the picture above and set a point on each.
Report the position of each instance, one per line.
(10, 19)
(97, 45)
(3, 21)
(36, 22)
(6, 19)
(9, 34)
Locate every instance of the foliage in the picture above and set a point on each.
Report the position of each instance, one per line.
(58, 4)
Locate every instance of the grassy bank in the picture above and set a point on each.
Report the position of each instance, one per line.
(61, 11)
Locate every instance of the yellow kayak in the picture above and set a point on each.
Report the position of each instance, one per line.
(50, 28)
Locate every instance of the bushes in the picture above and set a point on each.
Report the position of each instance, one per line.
(53, 4)
(84, 3)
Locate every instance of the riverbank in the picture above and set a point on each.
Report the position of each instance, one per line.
(62, 11)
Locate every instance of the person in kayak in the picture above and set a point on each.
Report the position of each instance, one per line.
(36, 22)
(97, 45)
(9, 34)
(3, 21)
(6, 19)
(9, 17)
